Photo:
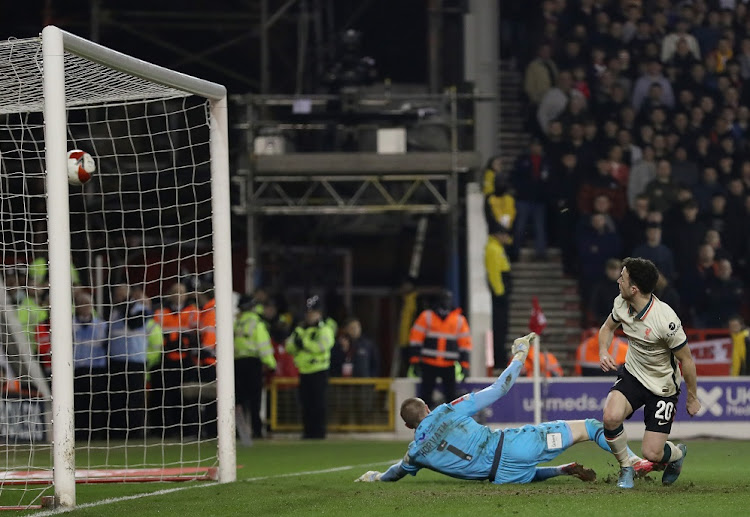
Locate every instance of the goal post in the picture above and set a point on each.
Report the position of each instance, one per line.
(120, 107)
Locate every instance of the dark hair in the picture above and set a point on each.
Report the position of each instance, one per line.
(643, 273)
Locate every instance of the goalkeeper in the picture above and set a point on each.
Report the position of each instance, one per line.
(449, 441)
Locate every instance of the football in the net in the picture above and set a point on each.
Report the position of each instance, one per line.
(81, 167)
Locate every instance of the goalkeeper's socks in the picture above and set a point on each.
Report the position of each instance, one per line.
(543, 473)
(595, 430)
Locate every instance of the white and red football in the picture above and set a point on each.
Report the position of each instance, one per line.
(81, 167)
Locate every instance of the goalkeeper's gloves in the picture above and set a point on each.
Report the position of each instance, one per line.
(369, 476)
(521, 347)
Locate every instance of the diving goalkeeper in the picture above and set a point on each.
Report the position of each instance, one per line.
(449, 441)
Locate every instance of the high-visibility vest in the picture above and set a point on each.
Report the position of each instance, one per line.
(207, 328)
(587, 355)
(180, 329)
(311, 347)
(548, 365)
(251, 339)
(440, 342)
(740, 364)
(154, 343)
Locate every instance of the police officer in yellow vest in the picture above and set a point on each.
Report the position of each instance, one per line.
(252, 351)
(310, 344)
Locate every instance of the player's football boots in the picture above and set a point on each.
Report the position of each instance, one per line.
(644, 467)
(672, 471)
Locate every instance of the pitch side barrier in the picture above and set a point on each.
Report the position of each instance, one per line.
(725, 405)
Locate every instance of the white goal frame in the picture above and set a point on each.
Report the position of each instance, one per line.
(55, 42)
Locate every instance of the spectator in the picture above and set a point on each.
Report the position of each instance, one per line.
(634, 224)
(602, 184)
(631, 153)
(662, 190)
(127, 364)
(655, 251)
(716, 216)
(680, 35)
(596, 242)
(530, 181)
(740, 344)
(500, 206)
(724, 295)
(684, 239)
(744, 58)
(713, 239)
(599, 305)
(89, 371)
(541, 75)
(707, 188)
(566, 180)
(354, 355)
(683, 59)
(642, 173)
(692, 291)
(587, 354)
(721, 55)
(499, 280)
(310, 344)
(666, 293)
(684, 171)
(493, 168)
(555, 101)
(651, 76)
(440, 336)
(709, 33)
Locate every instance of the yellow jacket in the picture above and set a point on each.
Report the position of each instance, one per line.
(739, 352)
(496, 262)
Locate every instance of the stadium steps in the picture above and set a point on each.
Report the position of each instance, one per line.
(510, 132)
(558, 298)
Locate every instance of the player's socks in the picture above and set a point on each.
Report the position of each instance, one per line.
(672, 453)
(618, 444)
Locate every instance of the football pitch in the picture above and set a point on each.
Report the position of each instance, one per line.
(299, 478)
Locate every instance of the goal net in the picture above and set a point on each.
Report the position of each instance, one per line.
(115, 303)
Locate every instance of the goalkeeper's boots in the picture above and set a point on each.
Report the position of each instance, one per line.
(672, 471)
(579, 471)
(625, 480)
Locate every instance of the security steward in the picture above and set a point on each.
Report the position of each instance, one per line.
(310, 344)
(179, 320)
(439, 338)
(587, 355)
(252, 351)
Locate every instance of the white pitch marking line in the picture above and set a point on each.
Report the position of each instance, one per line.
(179, 489)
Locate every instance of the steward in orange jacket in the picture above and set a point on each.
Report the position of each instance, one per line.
(549, 366)
(587, 355)
(179, 320)
(439, 338)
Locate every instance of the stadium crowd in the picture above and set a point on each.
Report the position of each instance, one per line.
(640, 147)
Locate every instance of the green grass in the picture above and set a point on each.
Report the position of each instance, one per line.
(714, 482)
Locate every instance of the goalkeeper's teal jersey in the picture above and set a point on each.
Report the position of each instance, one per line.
(448, 440)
